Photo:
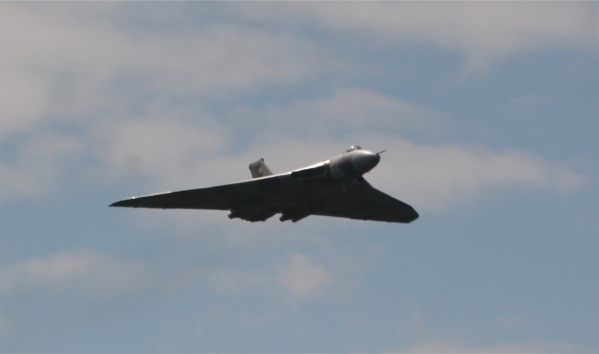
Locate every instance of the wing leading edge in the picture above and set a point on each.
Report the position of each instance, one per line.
(223, 197)
(204, 198)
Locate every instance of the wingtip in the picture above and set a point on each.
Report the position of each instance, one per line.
(117, 204)
(413, 216)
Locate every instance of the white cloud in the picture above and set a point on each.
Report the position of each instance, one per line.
(68, 64)
(302, 277)
(343, 111)
(93, 273)
(223, 281)
(432, 177)
(456, 347)
(48, 67)
(39, 164)
(166, 148)
(484, 32)
(234, 282)
(298, 277)
(436, 177)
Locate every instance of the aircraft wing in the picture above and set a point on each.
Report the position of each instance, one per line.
(203, 198)
(219, 198)
(367, 203)
(258, 199)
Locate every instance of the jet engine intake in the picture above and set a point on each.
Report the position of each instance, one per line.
(251, 214)
(294, 216)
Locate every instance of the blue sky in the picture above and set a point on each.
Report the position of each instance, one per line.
(488, 112)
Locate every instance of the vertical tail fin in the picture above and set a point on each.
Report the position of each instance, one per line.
(259, 169)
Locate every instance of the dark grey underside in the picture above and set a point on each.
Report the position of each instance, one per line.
(261, 198)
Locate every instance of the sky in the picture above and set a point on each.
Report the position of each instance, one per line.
(489, 114)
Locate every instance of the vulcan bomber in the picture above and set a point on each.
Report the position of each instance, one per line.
(334, 187)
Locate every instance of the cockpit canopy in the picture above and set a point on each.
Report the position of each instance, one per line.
(353, 148)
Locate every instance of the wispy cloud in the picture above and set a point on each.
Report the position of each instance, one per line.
(432, 176)
(303, 277)
(105, 77)
(94, 273)
(60, 64)
(457, 347)
(171, 150)
(298, 277)
(155, 96)
(436, 177)
(40, 163)
(339, 113)
(163, 148)
(483, 32)
(223, 281)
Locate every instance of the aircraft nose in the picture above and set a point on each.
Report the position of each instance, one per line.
(365, 161)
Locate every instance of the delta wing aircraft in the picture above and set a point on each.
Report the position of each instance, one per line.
(333, 187)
